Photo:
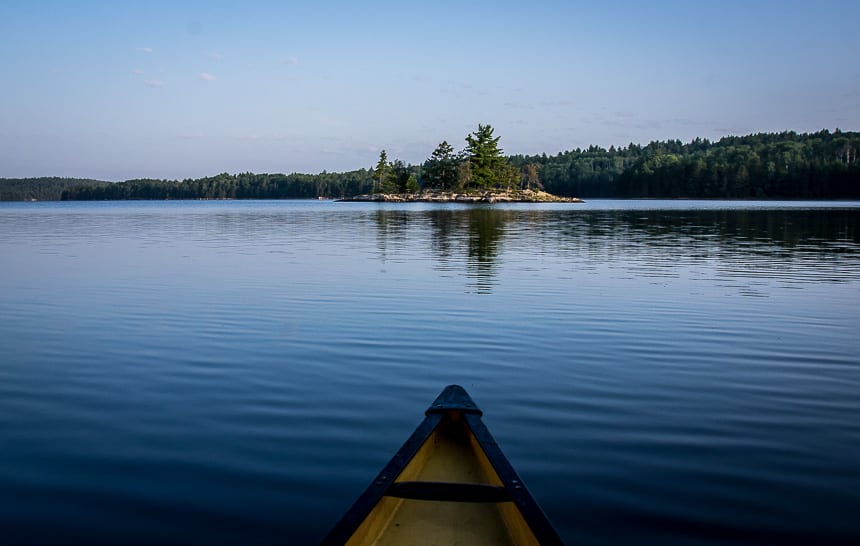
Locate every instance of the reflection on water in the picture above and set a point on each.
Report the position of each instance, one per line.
(796, 245)
(486, 228)
(236, 372)
(477, 232)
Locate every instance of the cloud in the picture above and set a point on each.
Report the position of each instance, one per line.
(519, 106)
(215, 56)
(290, 61)
(206, 76)
(144, 49)
(153, 83)
(723, 131)
(551, 103)
(137, 71)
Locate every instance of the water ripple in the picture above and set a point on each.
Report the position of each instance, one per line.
(658, 372)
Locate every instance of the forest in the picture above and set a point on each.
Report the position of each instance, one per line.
(41, 189)
(786, 165)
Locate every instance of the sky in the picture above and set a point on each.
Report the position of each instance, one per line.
(115, 90)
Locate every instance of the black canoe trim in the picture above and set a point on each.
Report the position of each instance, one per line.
(354, 517)
(453, 399)
(529, 508)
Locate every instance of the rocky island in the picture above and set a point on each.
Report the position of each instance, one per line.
(478, 174)
(514, 196)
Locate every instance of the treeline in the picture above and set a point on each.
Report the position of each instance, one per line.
(41, 189)
(786, 165)
(231, 186)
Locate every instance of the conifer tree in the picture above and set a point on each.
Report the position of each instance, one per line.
(485, 158)
(380, 173)
(441, 170)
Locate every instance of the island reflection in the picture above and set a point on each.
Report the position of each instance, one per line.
(748, 242)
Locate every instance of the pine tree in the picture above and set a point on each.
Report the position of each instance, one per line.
(381, 172)
(532, 179)
(412, 184)
(441, 169)
(485, 158)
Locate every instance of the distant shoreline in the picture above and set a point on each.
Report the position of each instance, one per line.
(816, 166)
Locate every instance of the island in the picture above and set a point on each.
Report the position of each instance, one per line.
(480, 173)
(513, 196)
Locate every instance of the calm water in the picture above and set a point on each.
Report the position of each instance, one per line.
(236, 372)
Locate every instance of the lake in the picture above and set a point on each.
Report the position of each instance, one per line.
(659, 372)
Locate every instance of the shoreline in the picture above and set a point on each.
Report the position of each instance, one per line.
(525, 196)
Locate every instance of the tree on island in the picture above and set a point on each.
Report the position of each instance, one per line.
(440, 171)
(464, 174)
(392, 176)
(488, 168)
(484, 157)
(380, 173)
(531, 178)
(412, 185)
(398, 178)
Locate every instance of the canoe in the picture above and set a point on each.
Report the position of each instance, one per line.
(450, 483)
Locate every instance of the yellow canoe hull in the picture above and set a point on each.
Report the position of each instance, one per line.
(448, 484)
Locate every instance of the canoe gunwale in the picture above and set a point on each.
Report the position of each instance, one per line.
(452, 404)
(354, 517)
(529, 508)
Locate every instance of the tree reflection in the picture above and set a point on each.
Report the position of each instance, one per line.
(469, 236)
(472, 241)
(486, 229)
(391, 228)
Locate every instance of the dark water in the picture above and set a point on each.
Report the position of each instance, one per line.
(236, 372)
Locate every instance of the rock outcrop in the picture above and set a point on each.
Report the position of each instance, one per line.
(519, 196)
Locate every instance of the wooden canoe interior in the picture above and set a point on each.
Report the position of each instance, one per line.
(450, 454)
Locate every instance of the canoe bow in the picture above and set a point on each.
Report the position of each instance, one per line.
(449, 481)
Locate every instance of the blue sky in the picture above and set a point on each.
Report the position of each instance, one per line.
(120, 89)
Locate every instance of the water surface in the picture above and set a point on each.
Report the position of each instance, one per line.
(236, 372)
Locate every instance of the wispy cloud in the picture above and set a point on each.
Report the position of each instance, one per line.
(206, 76)
(551, 103)
(625, 114)
(290, 61)
(144, 49)
(519, 106)
(153, 83)
(215, 56)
